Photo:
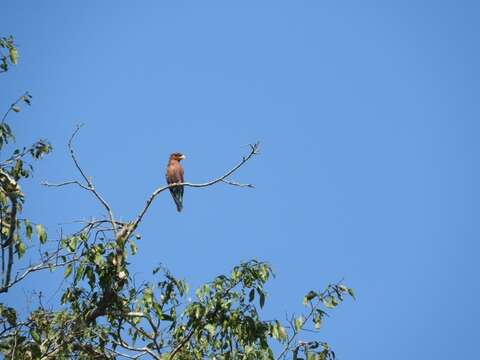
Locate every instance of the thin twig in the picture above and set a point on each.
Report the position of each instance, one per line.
(38, 267)
(13, 106)
(89, 187)
(71, 182)
(123, 344)
(234, 183)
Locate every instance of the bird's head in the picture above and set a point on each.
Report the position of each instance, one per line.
(177, 156)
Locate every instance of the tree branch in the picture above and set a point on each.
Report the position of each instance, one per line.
(13, 106)
(313, 308)
(88, 180)
(89, 187)
(71, 182)
(123, 344)
(254, 150)
(181, 344)
(234, 183)
(43, 265)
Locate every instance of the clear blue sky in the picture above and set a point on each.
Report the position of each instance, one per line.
(368, 115)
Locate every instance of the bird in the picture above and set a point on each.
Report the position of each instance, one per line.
(174, 174)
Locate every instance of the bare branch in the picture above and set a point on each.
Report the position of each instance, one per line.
(72, 154)
(133, 357)
(254, 149)
(234, 183)
(89, 187)
(71, 182)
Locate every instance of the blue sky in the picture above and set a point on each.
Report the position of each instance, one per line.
(368, 117)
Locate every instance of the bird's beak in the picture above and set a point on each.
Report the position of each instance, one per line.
(183, 157)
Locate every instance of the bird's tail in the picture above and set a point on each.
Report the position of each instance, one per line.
(179, 204)
(178, 197)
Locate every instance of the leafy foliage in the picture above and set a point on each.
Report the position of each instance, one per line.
(11, 57)
(105, 314)
(13, 170)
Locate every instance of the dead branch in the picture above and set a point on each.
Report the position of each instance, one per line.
(89, 184)
(72, 182)
(254, 150)
(234, 183)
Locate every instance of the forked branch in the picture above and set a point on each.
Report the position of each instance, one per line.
(254, 150)
(89, 184)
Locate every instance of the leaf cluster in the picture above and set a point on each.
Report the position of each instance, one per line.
(14, 169)
(11, 57)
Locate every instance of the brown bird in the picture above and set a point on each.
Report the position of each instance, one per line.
(174, 174)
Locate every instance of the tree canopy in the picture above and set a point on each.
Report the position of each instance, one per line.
(104, 313)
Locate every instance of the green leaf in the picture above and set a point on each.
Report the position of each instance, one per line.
(148, 297)
(20, 248)
(68, 270)
(282, 333)
(278, 331)
(298, 323)
(275, 331)
(28, 229)
(35, 336)
(251, 295)
(158, 310)
(210, 328)
(42, 235)
(351, 293)
(72, 244)
(26, 99)
(13, 53)
(317, 318)
(98, 259)
(329, 302)
(16, 109)
(91, 276)
(167, 317)
(79, 273)
(133, 248)
(310, 296)
(262, 298)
